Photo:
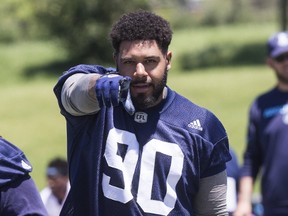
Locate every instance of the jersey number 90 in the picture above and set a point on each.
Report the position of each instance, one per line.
(127, 167)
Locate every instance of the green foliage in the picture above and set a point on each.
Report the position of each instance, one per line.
(219, 55)
(229, 45)
(83, 26)
(187, 13)
(17, 20)
(23, 60)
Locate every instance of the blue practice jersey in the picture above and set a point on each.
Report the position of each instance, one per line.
(18, 193)
(149, 163)
(267, 149)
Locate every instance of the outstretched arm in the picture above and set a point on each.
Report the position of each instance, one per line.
(84, 94)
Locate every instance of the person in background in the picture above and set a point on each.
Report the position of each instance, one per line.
(18, 193)
(54, 195)
(135, 146)
(267, 139)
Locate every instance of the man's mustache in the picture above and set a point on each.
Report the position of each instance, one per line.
(135, 82)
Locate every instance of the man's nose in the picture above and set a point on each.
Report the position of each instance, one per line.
(140, 70)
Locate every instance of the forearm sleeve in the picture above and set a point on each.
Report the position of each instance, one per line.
(211, 197)
(78, 96)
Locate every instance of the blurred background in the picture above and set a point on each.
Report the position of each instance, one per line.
(219, 49)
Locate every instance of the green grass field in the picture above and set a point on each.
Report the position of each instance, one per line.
(30, 116)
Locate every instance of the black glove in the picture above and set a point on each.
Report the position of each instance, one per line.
(113, 88)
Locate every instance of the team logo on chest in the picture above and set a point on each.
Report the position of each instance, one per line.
(140, 117)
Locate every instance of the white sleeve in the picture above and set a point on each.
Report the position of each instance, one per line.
(211, 197)
(75, 95)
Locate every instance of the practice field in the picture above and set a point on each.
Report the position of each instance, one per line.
(30, 116)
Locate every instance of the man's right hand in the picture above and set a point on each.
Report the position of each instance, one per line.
(113, 88)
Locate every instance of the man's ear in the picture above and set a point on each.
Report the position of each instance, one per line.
(168, 59)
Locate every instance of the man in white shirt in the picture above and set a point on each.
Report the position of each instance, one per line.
(54, 195)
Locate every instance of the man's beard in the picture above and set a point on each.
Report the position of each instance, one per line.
(142, 102)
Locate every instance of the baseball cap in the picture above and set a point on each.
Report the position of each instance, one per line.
(278, 44)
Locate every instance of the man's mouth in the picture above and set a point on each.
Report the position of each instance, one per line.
(140, 87)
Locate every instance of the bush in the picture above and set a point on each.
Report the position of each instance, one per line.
(219, 55)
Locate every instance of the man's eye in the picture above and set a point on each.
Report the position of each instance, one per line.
(127, 62)
(149, 61)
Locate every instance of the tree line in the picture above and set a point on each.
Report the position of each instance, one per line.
(82, 26)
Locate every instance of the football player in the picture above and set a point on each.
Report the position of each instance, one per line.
(267, 138)
(135, 146)
(18, 192)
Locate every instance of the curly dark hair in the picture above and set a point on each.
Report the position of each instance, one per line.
(141, 25)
